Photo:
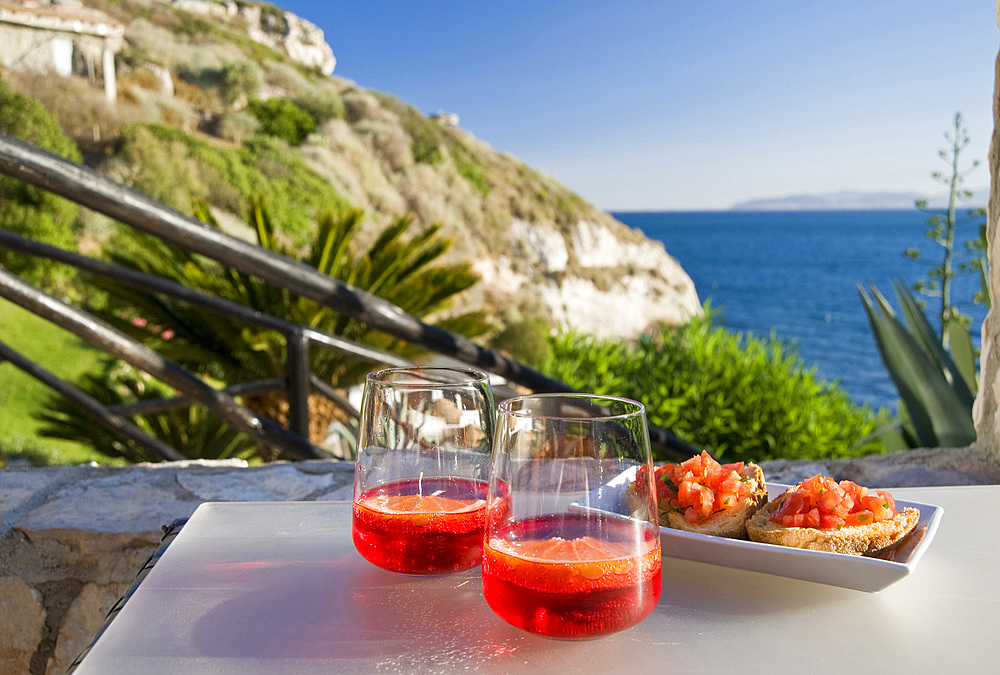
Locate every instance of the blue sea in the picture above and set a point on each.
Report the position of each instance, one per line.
(795, 273)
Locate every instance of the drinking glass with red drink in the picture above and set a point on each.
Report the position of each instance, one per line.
(421, 470)
(567, 559)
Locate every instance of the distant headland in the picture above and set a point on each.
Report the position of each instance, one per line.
(853, 199)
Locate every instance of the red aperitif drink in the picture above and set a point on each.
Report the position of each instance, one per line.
(422, 525)
(572, 576)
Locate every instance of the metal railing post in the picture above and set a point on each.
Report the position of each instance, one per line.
(297, 370)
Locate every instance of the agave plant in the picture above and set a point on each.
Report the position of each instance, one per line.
(936, 387)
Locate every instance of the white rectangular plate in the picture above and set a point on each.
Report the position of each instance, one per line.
(835, 569)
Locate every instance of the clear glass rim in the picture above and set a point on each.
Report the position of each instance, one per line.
(428, 376)
(633, 407)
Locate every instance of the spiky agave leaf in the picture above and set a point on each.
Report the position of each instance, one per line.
(929, 342)
(938, 413)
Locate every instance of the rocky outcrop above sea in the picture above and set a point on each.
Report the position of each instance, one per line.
(301, 40)
(535, 245)
(591, 281)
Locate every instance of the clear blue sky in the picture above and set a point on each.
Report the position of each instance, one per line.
(671, 104)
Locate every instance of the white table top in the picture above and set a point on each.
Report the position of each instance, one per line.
(277, 587)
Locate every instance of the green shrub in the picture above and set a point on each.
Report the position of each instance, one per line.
(426, 135)
(237, 126)
(239, 78)
(740, 397)
(323, 105)
(193, 25)
(526, 339)
(179, 170)
(280, 117)
(27, 210)
(425, 146)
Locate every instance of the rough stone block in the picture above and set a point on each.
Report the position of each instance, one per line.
(22, 624)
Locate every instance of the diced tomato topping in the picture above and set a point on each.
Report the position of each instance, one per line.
(700, 487)
(823, 503)
(640, 479)
(830, 522)
(862, 517)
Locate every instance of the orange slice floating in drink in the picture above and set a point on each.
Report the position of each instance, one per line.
(433, 511)
(433, 503)
(558, 565)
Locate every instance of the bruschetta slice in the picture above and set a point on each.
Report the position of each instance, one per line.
(822, 514)
(701, 495)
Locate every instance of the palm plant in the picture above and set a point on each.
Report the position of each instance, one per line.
(404, 270)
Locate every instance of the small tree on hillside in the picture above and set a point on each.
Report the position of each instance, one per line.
(941, 230)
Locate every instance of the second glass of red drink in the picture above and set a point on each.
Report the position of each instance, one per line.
(571, 558)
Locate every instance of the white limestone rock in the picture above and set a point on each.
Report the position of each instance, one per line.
(302, 40)
(643, 285)
(540, 245)
(631, 306)
(499, 273)
(594, 245)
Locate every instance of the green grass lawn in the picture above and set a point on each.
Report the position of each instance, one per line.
(58, 351)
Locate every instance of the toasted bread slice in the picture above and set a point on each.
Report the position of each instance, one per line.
(731, 522)
(852, 539)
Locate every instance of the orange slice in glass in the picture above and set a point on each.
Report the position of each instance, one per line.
(413, 513)
(558, 565)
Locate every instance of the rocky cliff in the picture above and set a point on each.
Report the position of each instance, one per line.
(196, 66)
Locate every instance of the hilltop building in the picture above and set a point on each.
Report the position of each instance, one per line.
(61, 37)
